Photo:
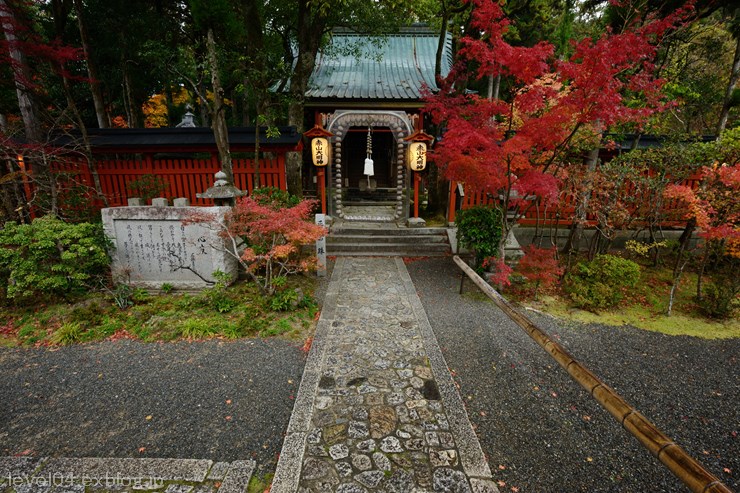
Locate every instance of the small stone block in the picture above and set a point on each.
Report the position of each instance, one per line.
(483, 486)
(218, 471)
(69, 488)
(371, 479)
(160, 202)
(136, 202)
(338, 451)
(237, 479)
(416, 222)
(178, 488)
(181, 202)
(445, 479)
(191, 470)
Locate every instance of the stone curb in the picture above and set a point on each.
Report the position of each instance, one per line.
(287, 473)
(32, 475)
(471, 455)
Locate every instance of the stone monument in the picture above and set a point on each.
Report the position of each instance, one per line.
(152, 246)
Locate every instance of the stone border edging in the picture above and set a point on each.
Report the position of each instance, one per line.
(30, 474)
(471, 455)
(288, 471)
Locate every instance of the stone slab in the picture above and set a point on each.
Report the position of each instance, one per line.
(238, 477)
(11, 467)
(416, 222)
(192, 470)
(152, 246)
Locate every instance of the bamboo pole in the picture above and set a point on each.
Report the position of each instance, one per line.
(680, 463)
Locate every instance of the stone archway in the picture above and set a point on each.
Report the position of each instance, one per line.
(339, 124)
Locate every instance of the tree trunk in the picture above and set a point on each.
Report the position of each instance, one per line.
(72, 105)
(441, 43)
(576, 232)
(294, 160)
(257, 156)
(676, 281)
(29, 108)
(92, 70)
(218, 118)
(734, 77)
(702, 268)
(22, 76)
(310, 30)
(85, 141)
(132, 109)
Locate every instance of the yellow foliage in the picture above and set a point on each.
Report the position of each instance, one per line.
(642, 249)
(155, 108)
(733, 247)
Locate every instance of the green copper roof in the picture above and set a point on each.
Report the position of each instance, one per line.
(388, 67)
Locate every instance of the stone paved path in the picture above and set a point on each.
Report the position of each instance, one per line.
(96, 475)
(377, 409)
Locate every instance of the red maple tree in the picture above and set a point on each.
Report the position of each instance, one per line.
(515, 149)
(539, 267)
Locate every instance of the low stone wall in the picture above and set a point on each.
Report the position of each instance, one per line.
(151, 246)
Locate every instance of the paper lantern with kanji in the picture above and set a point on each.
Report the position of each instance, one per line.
(320, 151)
(418, 156)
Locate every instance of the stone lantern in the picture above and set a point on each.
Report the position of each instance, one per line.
(222, 192)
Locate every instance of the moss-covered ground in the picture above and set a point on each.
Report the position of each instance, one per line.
(645, 307)
(236, 311)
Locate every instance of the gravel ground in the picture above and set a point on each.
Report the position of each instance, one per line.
(213, 400)
(542, 433)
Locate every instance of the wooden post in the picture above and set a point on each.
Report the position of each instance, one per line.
(321, 248)
(26, 185)
(417, 181)
(452, 202)
(322, 188)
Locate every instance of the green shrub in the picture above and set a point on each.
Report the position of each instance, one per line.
(599, 283)
(68, 333)
(480, 229)
(274, 197)
(147, 187)
(279, 327)
(719, 299)
(195, 328)
(89, 315)
(50, 258)
(217, 297)
(289, 300)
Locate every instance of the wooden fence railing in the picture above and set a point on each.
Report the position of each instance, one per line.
(563, 213)
(181, 177)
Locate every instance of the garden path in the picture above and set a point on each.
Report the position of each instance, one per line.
(377, 409)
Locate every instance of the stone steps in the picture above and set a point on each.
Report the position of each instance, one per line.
(403, 242)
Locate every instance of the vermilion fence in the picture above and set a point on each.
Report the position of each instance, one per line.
(181, 177)
(561, 214)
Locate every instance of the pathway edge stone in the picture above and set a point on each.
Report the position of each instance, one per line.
(287, 472)
(471, 454)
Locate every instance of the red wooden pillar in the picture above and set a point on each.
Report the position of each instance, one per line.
(452, 202)
(26, 184)
(320, 134)
(322, 187)
(417, 181)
